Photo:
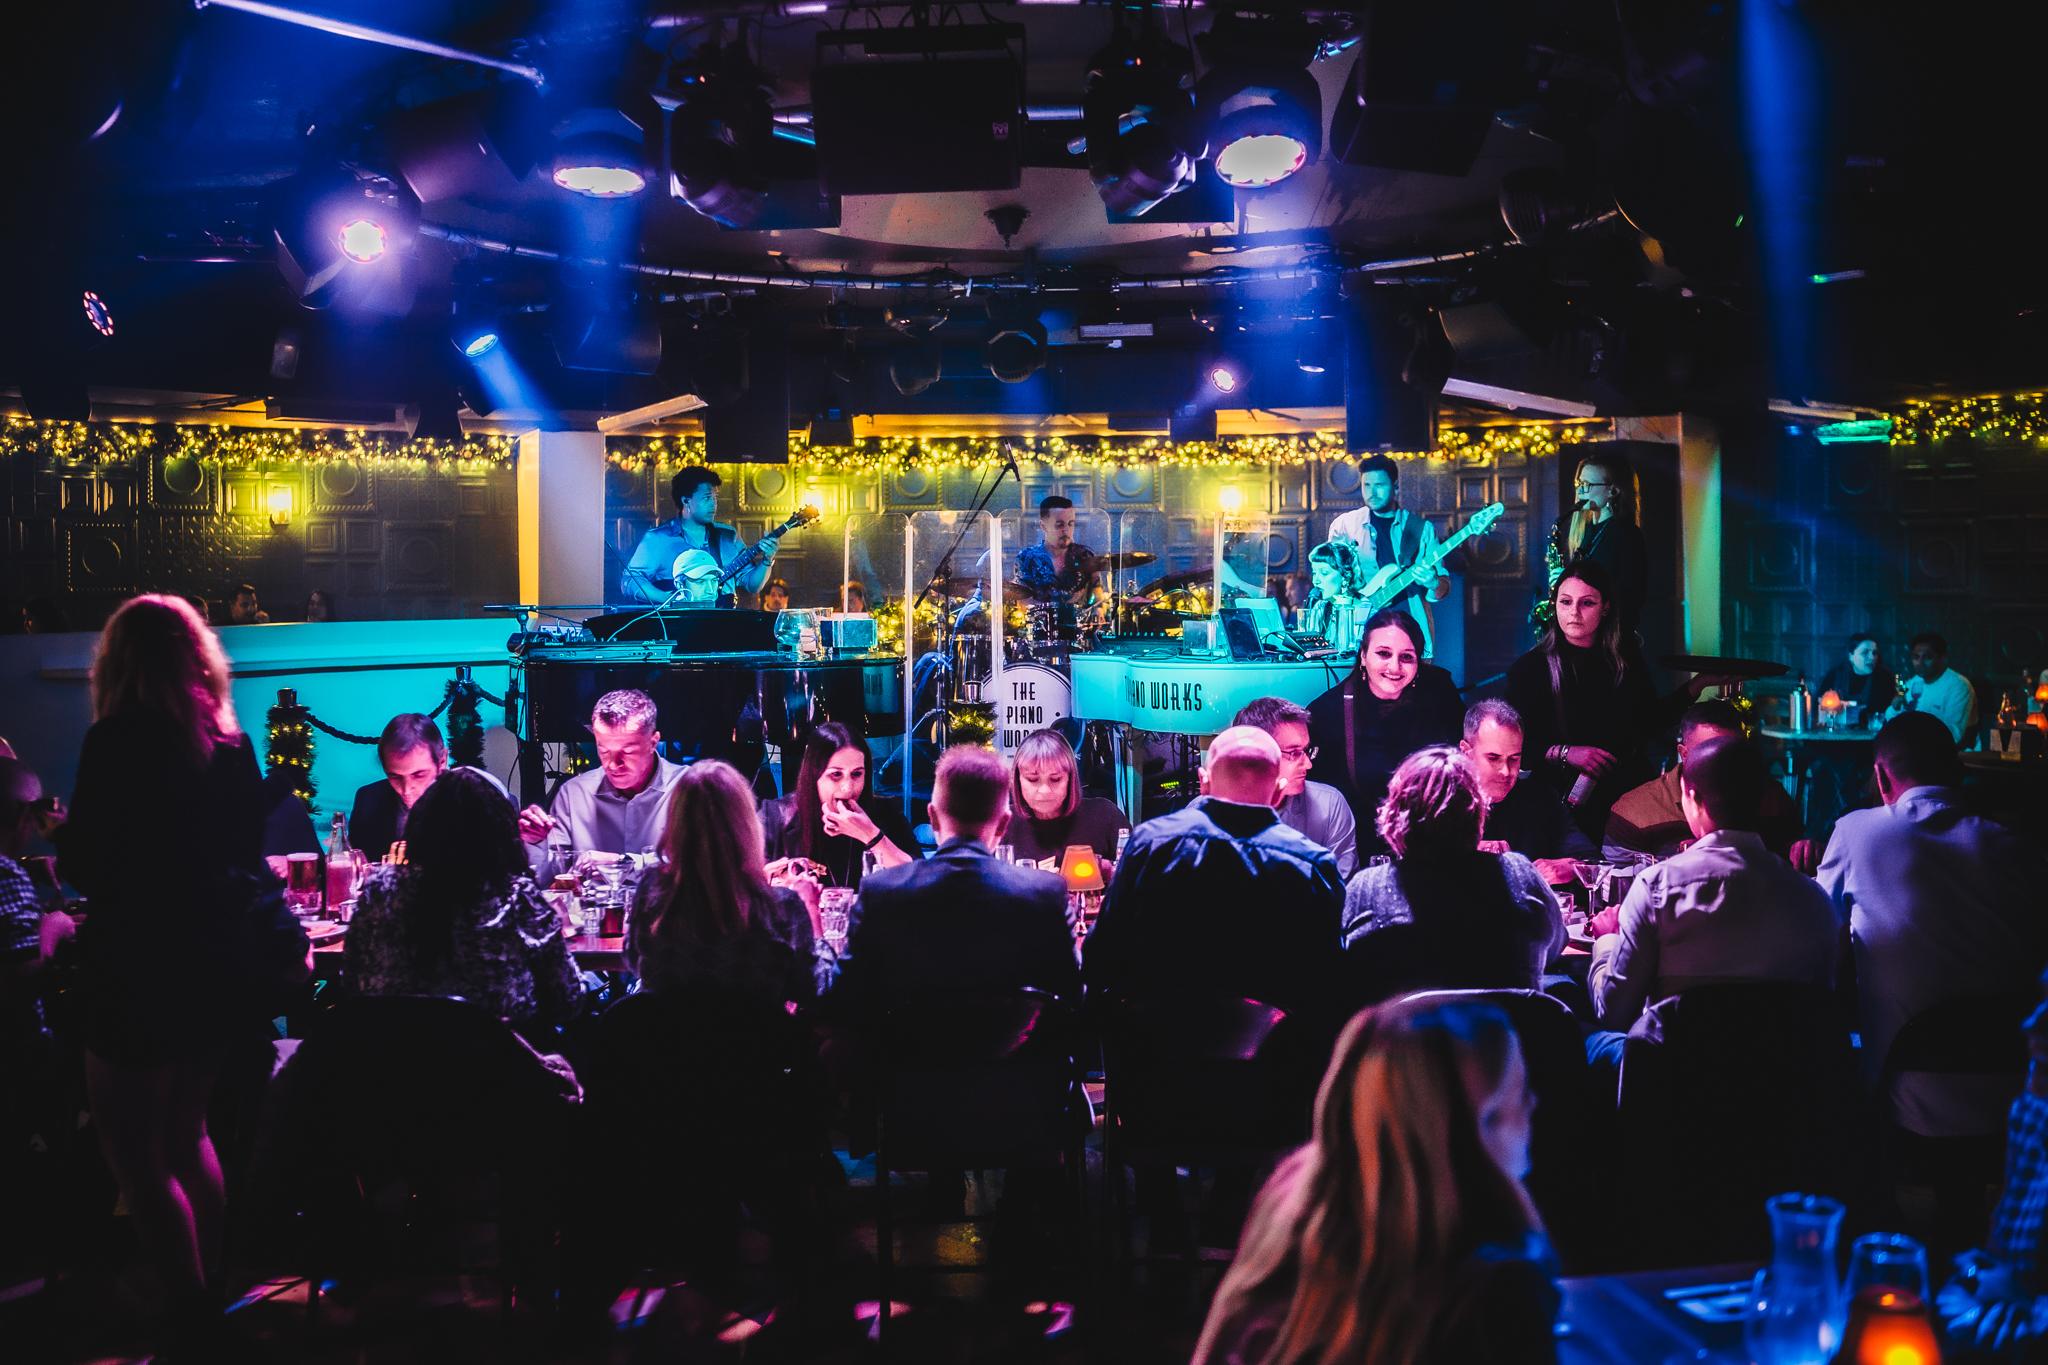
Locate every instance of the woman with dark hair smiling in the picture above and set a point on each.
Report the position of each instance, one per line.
(1392, 704)
(461, 916)
(829, 817)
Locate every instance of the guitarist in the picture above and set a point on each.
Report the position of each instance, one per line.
(696, 527)
(1389, 534)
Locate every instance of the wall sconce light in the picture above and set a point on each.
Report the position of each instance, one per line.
(1231, 499)
(280, 503)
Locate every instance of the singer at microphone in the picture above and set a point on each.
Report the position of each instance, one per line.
(1601, 528)
(1060, 571)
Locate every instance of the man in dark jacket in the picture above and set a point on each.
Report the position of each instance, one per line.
(960, 920)
(1221, 897)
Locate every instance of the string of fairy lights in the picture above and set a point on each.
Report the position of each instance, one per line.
(1994, 419)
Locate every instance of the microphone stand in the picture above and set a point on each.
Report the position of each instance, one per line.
(948, 624)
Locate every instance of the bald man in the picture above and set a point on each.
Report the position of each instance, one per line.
(1223, 899)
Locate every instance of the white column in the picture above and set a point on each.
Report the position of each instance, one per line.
(1699, 509)
(561, 518)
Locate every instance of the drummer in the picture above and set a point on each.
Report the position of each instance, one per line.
(1059, 570)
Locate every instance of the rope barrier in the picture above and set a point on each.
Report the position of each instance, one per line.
(291, 724)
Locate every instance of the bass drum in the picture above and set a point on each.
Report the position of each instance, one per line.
(1027, 697)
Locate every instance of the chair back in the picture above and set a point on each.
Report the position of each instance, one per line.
(1206, 1079)
(419, 1085)
(975, 1079)
(1730, 1094)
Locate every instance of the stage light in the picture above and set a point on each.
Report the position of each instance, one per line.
(1015, 351)
(1264, 108)
(362, 240)
(914, 366)
(719, 135)
(97, 314)
(1140, 122)
(477, 343)
(1317, 345)
(1225, 377)
(599, 154)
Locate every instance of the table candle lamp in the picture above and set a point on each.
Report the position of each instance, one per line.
(1082, 871)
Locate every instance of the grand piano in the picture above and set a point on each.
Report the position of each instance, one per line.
(725, 704)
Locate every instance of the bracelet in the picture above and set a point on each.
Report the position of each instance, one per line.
(1560, 753)
(879, 836)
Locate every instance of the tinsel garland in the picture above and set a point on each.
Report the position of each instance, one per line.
(288, 743)
(101, 443)
(1996, 419)
(465, 725)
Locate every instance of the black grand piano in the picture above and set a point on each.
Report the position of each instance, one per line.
(712, 703)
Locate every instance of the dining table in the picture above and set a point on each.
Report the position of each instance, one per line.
(1802, 745)
(1692, 1316)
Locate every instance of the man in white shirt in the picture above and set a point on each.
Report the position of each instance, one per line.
(1389, 534)
(1725, 910)
(1938, 690)
(618, 810)
(1940, 904)
(1315, 809)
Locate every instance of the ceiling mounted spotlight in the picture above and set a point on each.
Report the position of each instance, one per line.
(719, 135)
(1015, 350)
(1318, 345)
(1138, 113)
(600, 154)
(914, 365)
(1263, 109)
(1225, 376)
(97, 315)
(345, 237)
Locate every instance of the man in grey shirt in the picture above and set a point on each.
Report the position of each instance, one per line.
(618, 809)
(1314, 809)
(1725, 910)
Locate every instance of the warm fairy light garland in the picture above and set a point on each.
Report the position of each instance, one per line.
(289, 744)
(1996, 419)
(891, 454)
(246, 447)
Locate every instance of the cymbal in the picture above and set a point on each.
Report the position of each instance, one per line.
(1725, 667)
(1129, 559)
(1187, 578)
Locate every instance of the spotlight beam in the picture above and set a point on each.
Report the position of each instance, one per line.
(341, 28)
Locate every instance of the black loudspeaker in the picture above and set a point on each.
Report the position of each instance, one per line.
(918, 111)
(1424, 91)
(1192, 424)
(1381, 410)
(754, 428)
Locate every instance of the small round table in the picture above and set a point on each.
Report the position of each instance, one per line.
(1797, 740)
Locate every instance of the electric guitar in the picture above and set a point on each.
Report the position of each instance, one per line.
(699, 580)
(1392, 579)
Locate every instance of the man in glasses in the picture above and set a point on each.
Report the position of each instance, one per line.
(1600, 525)
(1314, 809)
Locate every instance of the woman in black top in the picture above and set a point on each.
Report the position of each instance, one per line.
(707, 920)
(1857, 678)
(829, 816)
(1588, 707)
(1048, 812)
(1390, 706)
(165, 838)
(1601, 529)
(462, 916)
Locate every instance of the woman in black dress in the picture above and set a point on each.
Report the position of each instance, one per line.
(1588, 707)
(1600, 528)
(829, 816)
(1392, 704)
(165, 839)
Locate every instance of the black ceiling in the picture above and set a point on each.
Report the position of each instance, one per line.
(1677, 174)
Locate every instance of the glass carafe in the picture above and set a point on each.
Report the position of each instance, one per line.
(1796, 1311)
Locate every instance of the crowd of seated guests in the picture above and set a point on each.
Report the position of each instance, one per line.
(1253, 892)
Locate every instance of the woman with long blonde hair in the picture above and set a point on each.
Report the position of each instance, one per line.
(1401, 1233)
(1600, 528)
(165, 840)
(711, 917)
